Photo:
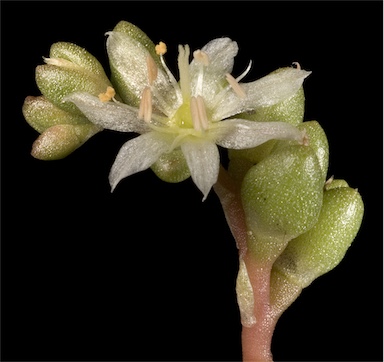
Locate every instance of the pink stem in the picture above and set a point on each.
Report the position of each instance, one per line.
(256, 340)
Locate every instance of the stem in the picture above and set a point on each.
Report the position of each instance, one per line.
(256, 340)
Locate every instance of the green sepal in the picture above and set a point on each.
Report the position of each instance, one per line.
(59, 141)
(322, 248)
(41, 114)
(282, 197)
(171, 167)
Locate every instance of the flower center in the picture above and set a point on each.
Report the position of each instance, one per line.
(192, 113)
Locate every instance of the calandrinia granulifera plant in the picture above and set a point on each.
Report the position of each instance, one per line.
(290, 223)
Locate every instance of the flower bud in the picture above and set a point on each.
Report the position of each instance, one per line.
(59, 141)
(41, 114)
(321, 248)
(75, 70)
(282, 197)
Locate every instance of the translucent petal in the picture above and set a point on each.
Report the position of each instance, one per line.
(203, 160)
(240, 133)
(109, 115)
(221, 53)
(269, 90)
(137, 155)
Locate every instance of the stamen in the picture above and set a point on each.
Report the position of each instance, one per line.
(199, 114)
(201, 57)
(236, 86)
(152, 70)
(195, 114)
(145, 109)
(296, 65)
(202, 112)
(108, 95)
(161, 48)
(183, 63)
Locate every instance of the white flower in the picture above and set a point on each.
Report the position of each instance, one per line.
(192, 114)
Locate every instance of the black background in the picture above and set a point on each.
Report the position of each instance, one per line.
(148, 272)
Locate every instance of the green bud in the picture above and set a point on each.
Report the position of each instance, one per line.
(317, 140)
(77, 71)
(59, 141)
(282, 197)
(41, 114)
(171, 167)
(320, 249)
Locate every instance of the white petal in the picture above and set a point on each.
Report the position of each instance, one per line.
(129, 58)
(109, 115)
(267, 91)
(221, 53)
(203, 160)
(240, 133)
(137, 155)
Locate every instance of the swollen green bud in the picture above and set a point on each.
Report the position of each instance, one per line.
(41, 114)
(317, 140)
(59, 141)
(58, 79)
(282, 197)
(320, 249)
(171, 167)
(70, 69)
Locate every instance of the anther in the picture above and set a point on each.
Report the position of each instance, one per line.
(235, 86)
(161, 48)
(108, 95)
(152, 69)
(296, 65)
(145, 109)
(201, 57)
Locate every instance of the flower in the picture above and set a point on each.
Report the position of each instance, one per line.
(195, 114)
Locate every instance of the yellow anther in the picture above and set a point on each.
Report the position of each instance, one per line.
(145, 109)
(201, 57)
(152, 69)
(161, 48)
(108, 95)
(235, 86)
